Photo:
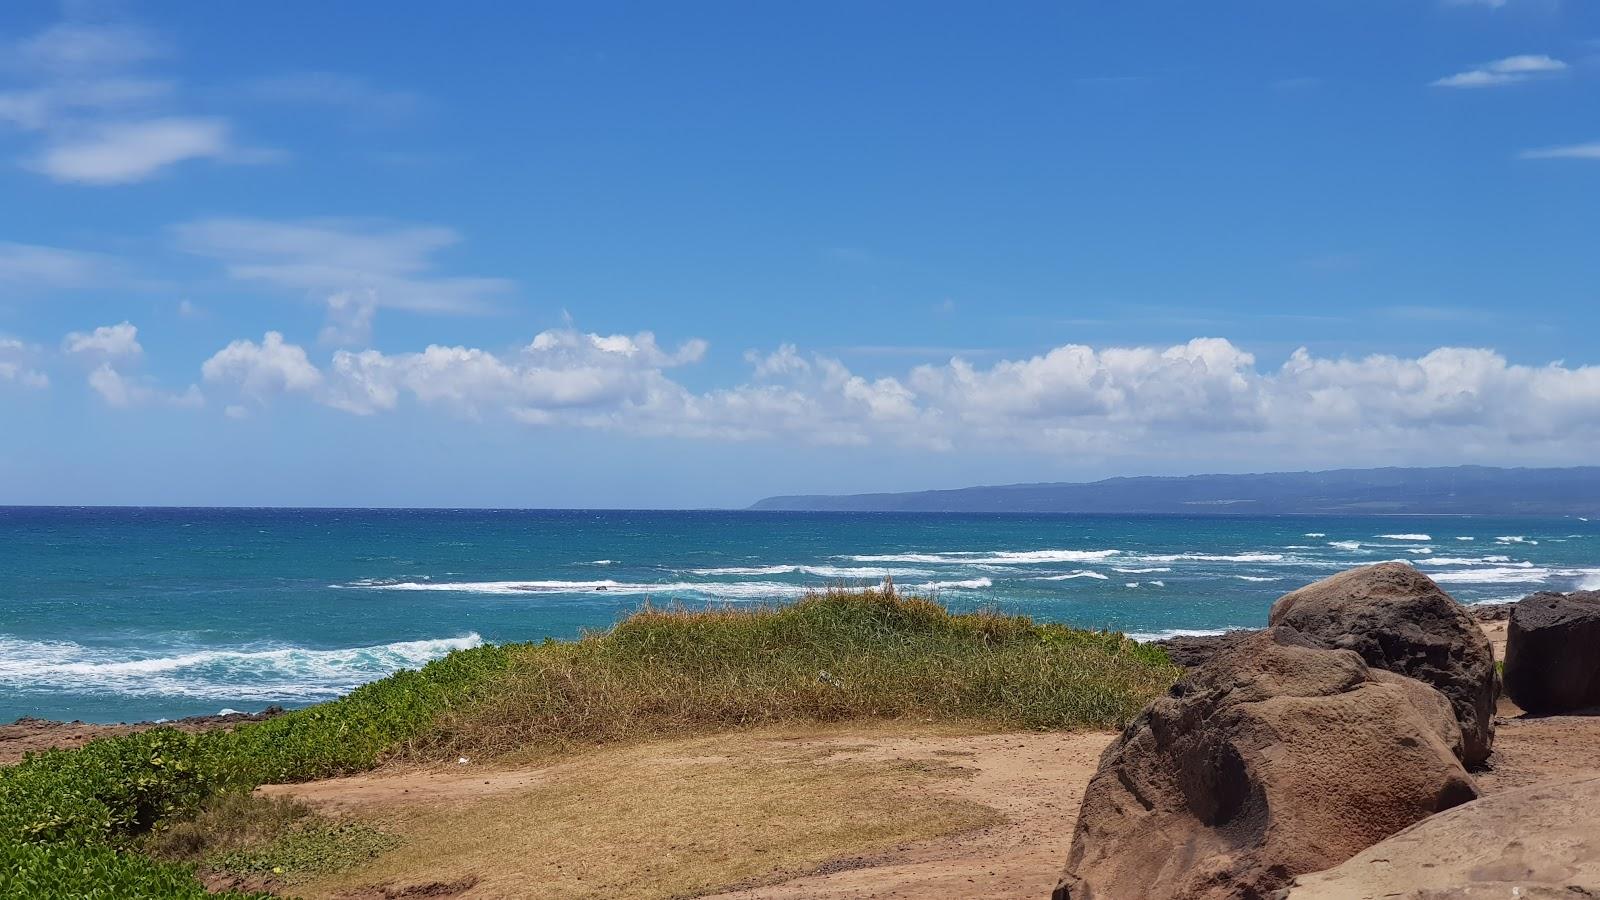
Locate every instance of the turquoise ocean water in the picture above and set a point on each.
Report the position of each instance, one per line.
(127, 614)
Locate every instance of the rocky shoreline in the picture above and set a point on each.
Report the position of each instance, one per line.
(31, 735)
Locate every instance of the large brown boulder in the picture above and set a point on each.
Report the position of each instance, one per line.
(1276, 757)
(1553, 652)
(1540, 841)
(1399, 620)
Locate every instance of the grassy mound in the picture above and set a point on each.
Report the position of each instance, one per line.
(841, 655)
(827, 658)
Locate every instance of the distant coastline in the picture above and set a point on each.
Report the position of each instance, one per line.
(1458, 490)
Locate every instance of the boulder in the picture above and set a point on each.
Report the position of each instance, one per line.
(1553, 652)
(1540, 841)
(1190, 650)
(1399, 620)
(1275, 758)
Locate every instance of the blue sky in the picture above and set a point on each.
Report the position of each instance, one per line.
(693, 254)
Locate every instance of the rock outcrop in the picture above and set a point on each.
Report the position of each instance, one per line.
(1541, 841)
(1553, 652)
(1397, 619)
(1191, 650)
(1275, 758)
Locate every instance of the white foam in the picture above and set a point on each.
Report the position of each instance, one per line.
(1144, 571)
(601, 562)
(281, 674)
(970, 584)
(1083, 573)
(1407, 537)
(1145, 637)
(740, 590)
(1465, 538)
(1471, 561)
(1158, 583)
(1514, 539)
(874, 572)
(991, 558)
(1495, 575)
(1589, 582)
(1257, 578)
(1217, 557)
(1315, 534)
(1132, 584)
(1345, 545)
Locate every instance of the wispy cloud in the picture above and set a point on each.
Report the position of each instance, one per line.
(1511, 70)
(17, 365)
(98, 117)
(1569, 151)
(32, 266)
(354, 96)
(341, 261)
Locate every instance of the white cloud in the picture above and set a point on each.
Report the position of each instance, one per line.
(1206, 397)
(260, 370)
(35, 266)
(98, 119)
(390, 262)
(108, 341)
(121, 391)
(350, 315)
(1510, 70)
(1571, 151)
(16, 365)
(126, 152)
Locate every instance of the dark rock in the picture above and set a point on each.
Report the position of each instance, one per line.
(1399, 620)
(1540, 841)
(1276, 758)
(1490, 612)
(1189, 651)
(1553, 652)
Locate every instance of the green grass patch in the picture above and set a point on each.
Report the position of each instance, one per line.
(828, 658)
(310, 849)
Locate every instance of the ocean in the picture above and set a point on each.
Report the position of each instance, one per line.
(130, 614)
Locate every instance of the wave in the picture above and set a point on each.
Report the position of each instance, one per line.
(1216, 557)
(1257, 578)
(600, 562)
(1514, 539)
(991, 558)
(1472, 561)
(1590, 582)
(1497, 575)
(1145, 637)
(741, 590)
(268, 674)
(1314, 534)
(1465, 538)
(1085, 573)
(819, 571)
(1143, 571)
(1345, 545)
(1407, 537)
(970, 584)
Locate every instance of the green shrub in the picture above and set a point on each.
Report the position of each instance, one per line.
(74, 872)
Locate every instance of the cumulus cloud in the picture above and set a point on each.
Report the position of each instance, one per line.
(1511, 70)
(389, 262)
(110, 350)
(1206, 396)
(121, 391)
(16, 365)
(108, 341)
(260, 370)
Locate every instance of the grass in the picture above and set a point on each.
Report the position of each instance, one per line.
(663, 819)
(828, 658)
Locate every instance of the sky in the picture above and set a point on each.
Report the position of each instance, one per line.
(690, 255)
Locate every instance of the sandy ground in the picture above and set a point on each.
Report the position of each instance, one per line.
(1035, 780)
(29, 735)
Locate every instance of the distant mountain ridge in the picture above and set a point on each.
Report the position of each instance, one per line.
(1458, 490)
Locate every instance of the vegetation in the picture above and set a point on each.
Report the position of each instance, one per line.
(842, 655)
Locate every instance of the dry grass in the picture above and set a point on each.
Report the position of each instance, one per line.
(665, 819)
(839, 656)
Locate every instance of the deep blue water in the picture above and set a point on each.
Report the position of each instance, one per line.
(124, 614)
